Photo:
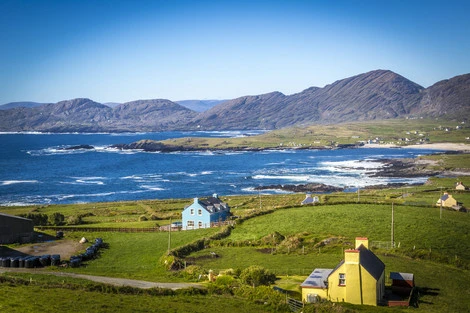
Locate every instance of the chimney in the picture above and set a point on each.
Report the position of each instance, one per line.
(362, 241)
(351, 256)
(215, 196)
(196, 200)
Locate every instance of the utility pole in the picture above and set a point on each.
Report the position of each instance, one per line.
(169, 237)
(440, 210)
(393, 229)
(259, 196)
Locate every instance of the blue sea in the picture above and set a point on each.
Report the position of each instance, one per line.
(35, 168)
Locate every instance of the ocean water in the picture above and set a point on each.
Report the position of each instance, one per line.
(35, 168)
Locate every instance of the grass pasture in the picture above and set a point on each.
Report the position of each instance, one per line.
(44, 293)
(435, 249)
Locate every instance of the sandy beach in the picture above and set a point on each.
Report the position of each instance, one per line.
(437, 146)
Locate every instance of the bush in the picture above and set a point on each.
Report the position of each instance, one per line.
(143, 218)
(256, 276)
(74, 220)
(171, 263)
(273, 239)
(39, 219)
(225, 280)
(56, 219)
(193, 272)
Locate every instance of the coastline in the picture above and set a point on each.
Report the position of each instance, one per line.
(462, 147)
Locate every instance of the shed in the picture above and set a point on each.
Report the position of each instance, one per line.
(15, 229)
(402, 283)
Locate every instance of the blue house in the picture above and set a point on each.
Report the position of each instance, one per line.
(202, 213)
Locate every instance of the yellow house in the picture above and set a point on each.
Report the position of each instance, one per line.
(446, 200)
(460, 186)
(358, 279)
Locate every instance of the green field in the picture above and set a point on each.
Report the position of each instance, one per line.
(277, 233)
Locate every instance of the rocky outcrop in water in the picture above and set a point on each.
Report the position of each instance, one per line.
(313, 188)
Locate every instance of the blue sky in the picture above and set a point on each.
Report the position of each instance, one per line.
(118, 51)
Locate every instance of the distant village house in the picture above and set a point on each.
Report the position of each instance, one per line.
(447, 201)
(310, 200)
(460, 186)
(204, 213)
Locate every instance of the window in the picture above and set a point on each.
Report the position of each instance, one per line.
(190, 224)
(192, 211)
(199, 224)
(199, 212)
(342, 279)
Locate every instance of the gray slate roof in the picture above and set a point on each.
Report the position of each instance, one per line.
(371, 262)
(317, 278)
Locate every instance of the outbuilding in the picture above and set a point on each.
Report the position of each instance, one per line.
(14, 229)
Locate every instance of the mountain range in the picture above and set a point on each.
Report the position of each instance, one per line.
(376, 95)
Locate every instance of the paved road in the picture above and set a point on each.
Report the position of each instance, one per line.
(107, 280)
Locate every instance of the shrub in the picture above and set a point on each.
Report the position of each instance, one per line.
(193, 272)
(74, 220)
(273, 239)
(143, 218)
(256, 276)
(171, 263)
(56, 219)
(39, 219)
(225, 280)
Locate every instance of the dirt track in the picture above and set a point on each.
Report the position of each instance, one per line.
(107, 280)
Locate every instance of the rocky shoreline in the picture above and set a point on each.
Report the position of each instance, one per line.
(404, 168)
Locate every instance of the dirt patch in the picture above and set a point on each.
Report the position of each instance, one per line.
(66, 248)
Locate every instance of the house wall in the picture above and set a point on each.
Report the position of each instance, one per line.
(321, 292)
(370, 288)
(449, 202)
(15, 229)
(337, 293)
(204, 218)
(361, 287)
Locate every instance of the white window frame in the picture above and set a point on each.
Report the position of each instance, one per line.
(191, 211)
(200, 224)
(342, 279)
(199, 212)
(190, 224)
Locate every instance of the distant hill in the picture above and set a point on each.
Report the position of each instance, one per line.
(199, 105)
(375, 95)
(23, 104)
(112, 104)
(85, 115)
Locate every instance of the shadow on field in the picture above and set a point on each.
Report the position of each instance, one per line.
(425, 291)
(43, 237)
(9, 252)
